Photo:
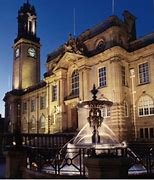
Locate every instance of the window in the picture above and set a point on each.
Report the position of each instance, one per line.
(145, 106)
(151, 132)
(125, 109)
(42, 102)
(100, 45)
(102, 77)
(75, 83)
(147, 133)
(123, 74)
(33, 122)
(54, 93)
(42, 121)
(141, 133)
(24, 107)
(32, 105)
(17, 52)
(106, 111)
(143, 73)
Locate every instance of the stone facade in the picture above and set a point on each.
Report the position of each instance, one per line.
(1, 134)
(108, 55)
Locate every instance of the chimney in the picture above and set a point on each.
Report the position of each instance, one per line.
(130, 22)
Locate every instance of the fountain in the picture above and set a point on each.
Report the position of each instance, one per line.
(102, 151)
(96, 137)
(96, 133)
(95, 119)
(100, 142)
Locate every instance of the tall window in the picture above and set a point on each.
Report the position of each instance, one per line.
(143, 73)
(151, 132)
(54, 93)
(42, 121)
(145, 106)
(33, 122)
(147, 133)
(123, 73)
(102, 77)
(141, 133)
(24, 107)
(32, 105)
(42, 102)
(75, 83)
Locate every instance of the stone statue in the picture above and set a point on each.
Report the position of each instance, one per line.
(74, 45)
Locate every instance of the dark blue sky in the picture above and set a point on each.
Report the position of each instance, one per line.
(55, 22)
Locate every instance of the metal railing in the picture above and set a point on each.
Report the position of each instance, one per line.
(142, 155)
(37, 140)
(66, 160)
(49, 153)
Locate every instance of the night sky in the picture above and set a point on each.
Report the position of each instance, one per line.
(56, 21)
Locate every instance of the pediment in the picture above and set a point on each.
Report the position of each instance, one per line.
(68, 59)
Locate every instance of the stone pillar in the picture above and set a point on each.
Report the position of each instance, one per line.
(86, 83)
(15, 162)
(37, 113)
(62, 89)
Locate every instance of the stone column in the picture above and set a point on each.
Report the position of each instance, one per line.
(86, 83)
(62, 88)
(15, 162)
(47, 106)
(83, 84)
(37, 112)
(15, 158)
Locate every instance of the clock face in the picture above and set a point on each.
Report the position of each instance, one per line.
(32, 52)
(17, 52)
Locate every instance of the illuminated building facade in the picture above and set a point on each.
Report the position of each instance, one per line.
(108, 55)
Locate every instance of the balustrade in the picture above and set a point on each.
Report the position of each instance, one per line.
(44, 152)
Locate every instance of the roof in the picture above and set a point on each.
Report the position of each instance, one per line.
(33, 88)
(101, 27)
(141, 42)
(20, 92)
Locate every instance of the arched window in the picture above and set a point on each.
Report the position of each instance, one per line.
(33, 122)
(145, 106)
(75, 83)
(125, 109)
(42, 121)
(100, 45)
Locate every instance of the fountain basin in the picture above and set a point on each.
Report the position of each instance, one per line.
(107, 167)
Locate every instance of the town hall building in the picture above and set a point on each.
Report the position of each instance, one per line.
(108, 55)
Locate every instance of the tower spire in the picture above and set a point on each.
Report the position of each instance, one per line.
(27, 22)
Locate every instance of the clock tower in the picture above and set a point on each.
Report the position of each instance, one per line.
(26, 63)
